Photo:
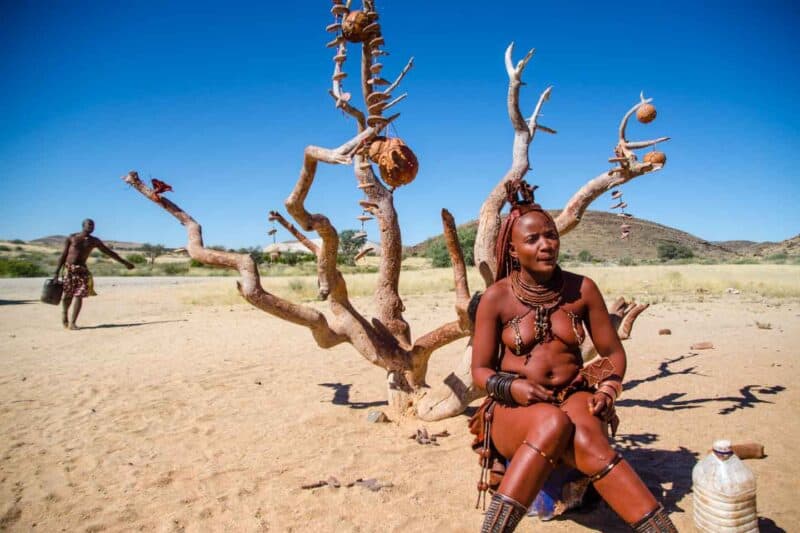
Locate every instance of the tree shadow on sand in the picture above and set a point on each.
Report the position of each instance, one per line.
(341, 396)
(132, 324)
(746, 399)
(667, 473)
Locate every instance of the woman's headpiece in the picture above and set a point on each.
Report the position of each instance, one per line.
(520, 195)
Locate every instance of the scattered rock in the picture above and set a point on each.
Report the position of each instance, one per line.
(665, 331)
(763, 325)
(258, 382)
(731, 290)
(705, 345)
(318, 484)
(422, 436)
(377, 417)
(371, 483)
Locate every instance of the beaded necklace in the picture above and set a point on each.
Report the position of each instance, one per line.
(543, 299)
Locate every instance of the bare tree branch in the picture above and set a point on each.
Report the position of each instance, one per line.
(628, 169)
(330, 280)
(459, 269)
(489, 218)
(250, 286)
(305, 241)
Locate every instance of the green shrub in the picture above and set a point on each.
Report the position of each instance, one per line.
(296, 285)
(626, 261)
(254, 252)
(17, 241)
(585, 256)
(438, 254)
(175, 269)
(440, 257)
(673, 250)
(20, 268)
(294, 258)
(136, 259)
(194, 263)
(349, 246)
(777, 258)
(4, 248)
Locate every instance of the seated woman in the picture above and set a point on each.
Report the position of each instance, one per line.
(543, 407)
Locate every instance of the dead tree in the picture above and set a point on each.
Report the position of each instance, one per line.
(385, 340)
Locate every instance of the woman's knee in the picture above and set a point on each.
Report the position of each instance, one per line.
(592, 449)
(555, 425)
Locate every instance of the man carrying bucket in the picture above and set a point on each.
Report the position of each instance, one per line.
(77, 278)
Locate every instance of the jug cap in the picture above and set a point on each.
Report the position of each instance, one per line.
(722, 448)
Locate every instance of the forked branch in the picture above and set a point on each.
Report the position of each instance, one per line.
(250, 285)
(524, 132)
(629, 168)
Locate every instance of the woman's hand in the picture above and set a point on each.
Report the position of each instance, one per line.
(525, 392)
(601, 405)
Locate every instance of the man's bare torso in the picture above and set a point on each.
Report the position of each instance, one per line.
(80, 247)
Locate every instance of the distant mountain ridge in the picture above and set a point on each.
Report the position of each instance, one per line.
(58, 241)
(599, 234)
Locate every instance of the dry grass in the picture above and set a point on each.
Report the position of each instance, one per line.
(644, 283)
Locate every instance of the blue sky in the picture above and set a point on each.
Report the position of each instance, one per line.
(220, 100)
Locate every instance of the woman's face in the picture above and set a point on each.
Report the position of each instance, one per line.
(535, 243)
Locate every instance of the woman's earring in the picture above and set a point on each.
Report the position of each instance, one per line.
(514, 263)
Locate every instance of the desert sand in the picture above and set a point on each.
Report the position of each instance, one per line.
(180, 408)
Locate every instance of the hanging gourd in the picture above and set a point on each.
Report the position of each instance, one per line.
(354, 26)
(646, 113)
(397, 163)
(655, 157)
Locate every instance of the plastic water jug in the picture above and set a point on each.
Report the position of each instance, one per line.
(724, 493)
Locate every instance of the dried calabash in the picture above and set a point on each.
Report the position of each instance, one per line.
(397, 163)
(656, 158)
(353, 26)
(646, 113)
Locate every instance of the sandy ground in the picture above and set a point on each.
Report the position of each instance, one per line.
(161, 415)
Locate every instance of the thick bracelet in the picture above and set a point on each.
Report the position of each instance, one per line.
(498, 386)
(611, 388)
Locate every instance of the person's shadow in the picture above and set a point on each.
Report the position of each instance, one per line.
(18, 302)
(132, 324)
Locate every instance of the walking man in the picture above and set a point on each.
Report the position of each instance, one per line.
(77, 249)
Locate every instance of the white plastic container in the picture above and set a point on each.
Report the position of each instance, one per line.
(724, 493)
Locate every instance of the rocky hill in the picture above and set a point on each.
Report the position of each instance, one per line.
(57, 241)
(598, 234)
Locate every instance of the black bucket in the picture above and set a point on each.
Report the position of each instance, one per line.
(51, 292)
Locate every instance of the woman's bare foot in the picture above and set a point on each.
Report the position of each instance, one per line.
(74, 327)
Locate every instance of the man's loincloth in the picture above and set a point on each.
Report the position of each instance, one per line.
(77, 280)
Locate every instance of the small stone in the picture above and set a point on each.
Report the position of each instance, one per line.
(705, 345)
(665, 331)
(377, 416)
(763, 325)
